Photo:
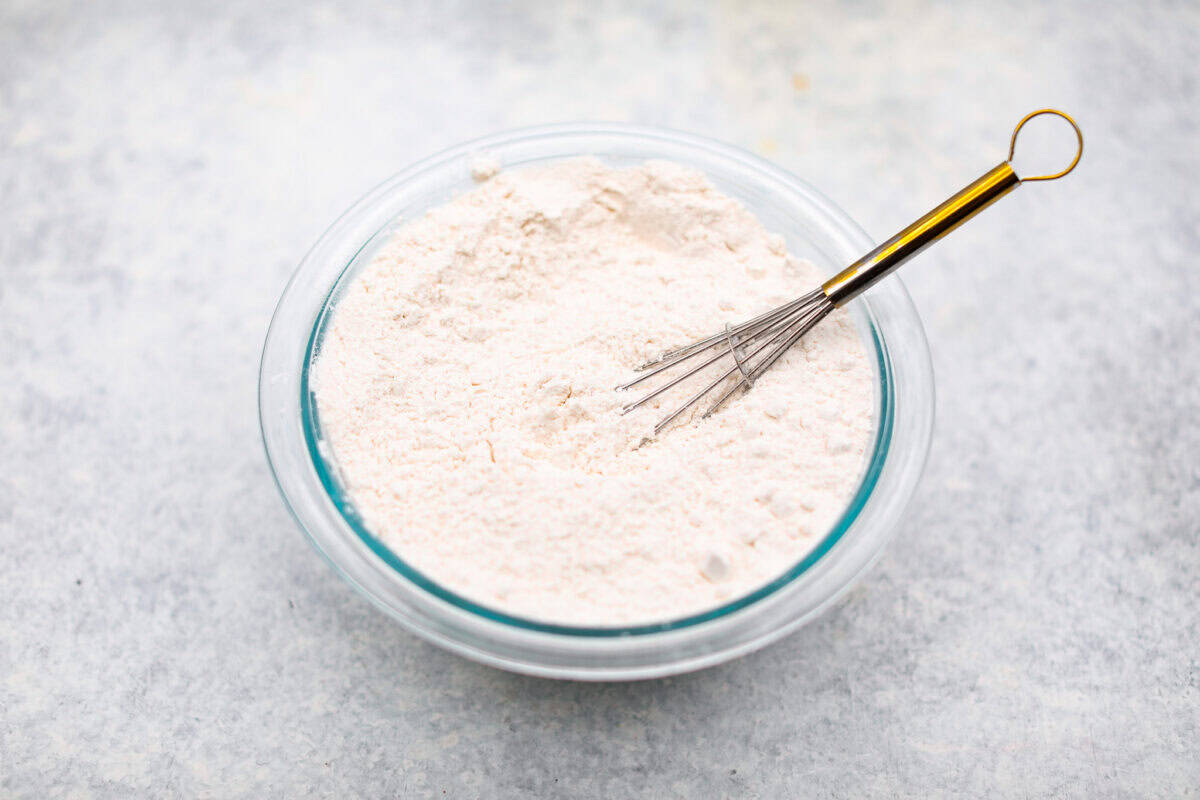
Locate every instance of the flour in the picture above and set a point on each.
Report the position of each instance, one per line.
(466, 380)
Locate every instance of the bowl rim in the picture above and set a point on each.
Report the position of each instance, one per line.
(347, 232)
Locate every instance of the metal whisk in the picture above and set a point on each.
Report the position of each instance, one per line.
(744, 352)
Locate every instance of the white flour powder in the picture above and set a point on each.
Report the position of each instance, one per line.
(466, 387)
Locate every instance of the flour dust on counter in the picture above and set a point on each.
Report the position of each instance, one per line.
(465, 385)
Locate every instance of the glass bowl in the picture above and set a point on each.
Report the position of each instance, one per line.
(813, 227)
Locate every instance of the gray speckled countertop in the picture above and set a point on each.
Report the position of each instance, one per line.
(1034, 629)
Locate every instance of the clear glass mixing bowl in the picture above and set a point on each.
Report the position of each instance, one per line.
(814, 229)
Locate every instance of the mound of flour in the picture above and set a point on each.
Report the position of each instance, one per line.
(466, 386)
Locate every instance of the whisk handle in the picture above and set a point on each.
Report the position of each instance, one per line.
(976, 196)
(884, 259)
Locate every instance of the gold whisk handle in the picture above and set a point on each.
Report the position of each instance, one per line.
(966, 203)
(864, 273)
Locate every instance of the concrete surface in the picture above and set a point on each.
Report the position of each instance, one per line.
(165, 631)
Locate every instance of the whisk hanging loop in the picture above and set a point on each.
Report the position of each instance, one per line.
(1012, 145)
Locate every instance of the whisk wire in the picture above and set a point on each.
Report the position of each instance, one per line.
(671, 357)
(804, 326)
(753, 346)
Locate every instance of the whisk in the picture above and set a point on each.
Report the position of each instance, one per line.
(744, 352)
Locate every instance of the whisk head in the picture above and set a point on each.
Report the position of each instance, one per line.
(731, 360)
